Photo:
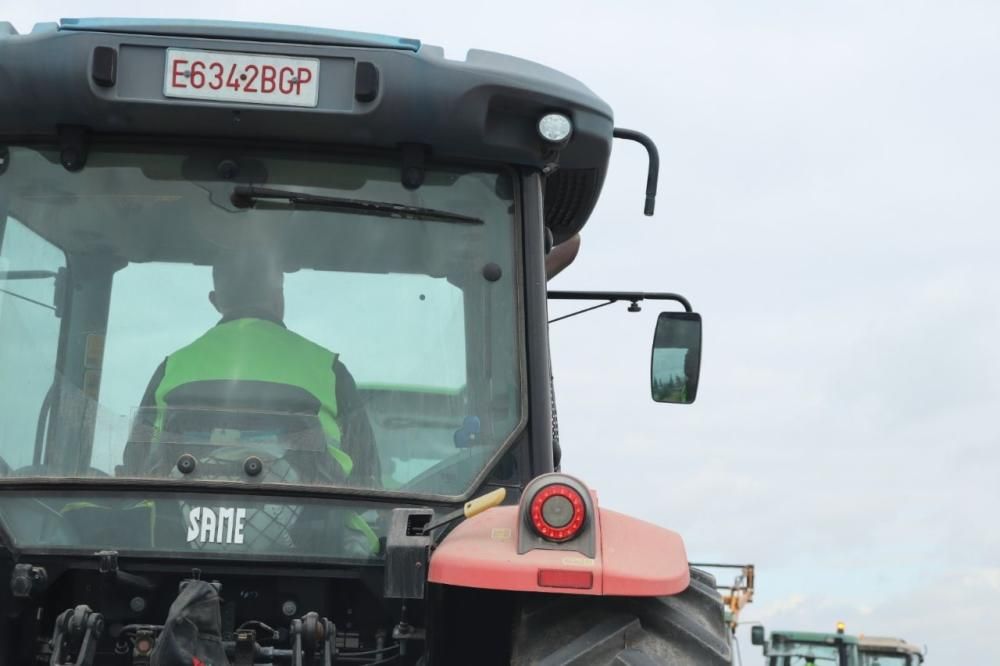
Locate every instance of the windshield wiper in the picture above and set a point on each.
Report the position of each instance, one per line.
(247, 196)
(27, 275)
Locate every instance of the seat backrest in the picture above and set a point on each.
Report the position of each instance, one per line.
(211, 415)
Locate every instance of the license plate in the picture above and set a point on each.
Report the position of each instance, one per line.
(241, 77)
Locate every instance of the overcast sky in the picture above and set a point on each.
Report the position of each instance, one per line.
(830, 191)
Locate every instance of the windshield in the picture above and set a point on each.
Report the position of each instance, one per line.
(157, 324)
(805, 654)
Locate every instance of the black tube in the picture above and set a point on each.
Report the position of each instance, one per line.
(537, 328)
(43, 414)
(615, 296)
(653, 174)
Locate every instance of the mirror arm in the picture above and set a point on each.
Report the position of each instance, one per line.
(653, 173)
(615, 296)
(29, 300)
(579, 312)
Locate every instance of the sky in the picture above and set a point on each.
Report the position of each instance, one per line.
(829, 202)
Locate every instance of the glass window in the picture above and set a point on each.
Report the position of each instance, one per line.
(29, 335)
(385, 357)
(396, 347)
(243, 526)
(805, 654)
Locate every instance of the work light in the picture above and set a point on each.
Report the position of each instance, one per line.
(555, 127)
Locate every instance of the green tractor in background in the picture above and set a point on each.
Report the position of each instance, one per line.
(808, 648)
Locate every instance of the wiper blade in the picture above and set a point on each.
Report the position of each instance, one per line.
(27, 275)
(247, 196)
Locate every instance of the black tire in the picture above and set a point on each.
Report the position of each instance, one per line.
(681, 630)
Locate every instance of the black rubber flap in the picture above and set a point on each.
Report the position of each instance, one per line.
(193, 631)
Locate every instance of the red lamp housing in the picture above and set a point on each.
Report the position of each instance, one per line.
(557, 512)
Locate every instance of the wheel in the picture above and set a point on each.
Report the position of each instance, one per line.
(681, 630)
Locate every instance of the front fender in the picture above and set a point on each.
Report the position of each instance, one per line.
(633, 557)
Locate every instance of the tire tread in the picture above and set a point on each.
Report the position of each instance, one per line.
(686, 629)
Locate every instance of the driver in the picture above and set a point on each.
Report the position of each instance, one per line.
(250, 343)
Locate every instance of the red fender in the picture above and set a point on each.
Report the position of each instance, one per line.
(634, 558)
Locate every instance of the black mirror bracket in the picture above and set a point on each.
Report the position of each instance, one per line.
(653, 174)
(609, 297)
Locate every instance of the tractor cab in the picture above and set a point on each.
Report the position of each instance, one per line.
(272, 315)
(807, 648)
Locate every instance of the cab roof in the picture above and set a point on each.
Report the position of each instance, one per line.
(887, 644)
(106, 76)
(811, 637)
(262, 32)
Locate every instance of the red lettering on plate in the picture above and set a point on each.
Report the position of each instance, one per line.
(305, 75)
(176, 78)
(217, 69)
(253, 71)
(197, 74)
(268, 78)
(233, 80)
(286, 80)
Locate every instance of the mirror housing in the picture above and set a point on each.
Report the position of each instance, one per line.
(757, 634)
(675, 363)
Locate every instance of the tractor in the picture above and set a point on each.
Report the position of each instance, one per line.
(884, 651)
(807, 648)
(161, 506)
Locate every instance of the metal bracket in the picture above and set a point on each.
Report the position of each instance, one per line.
(246, 647)
(142, 647)
(26, 580)
(653, 175)
(407, 554)
(107, 561)
(313, 641)
(633, 297)
(77, 631)
(405, 632)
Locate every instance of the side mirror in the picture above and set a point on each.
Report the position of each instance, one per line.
(757, 635)
(676, 358)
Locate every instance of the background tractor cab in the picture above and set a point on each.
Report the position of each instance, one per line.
(886, 651)
(409, 202)
(807, 648)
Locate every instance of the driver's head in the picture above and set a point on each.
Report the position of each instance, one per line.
(248, 281)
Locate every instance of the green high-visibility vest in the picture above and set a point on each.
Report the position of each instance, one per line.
(259, 350)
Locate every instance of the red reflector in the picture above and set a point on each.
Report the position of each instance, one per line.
(579, 580)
